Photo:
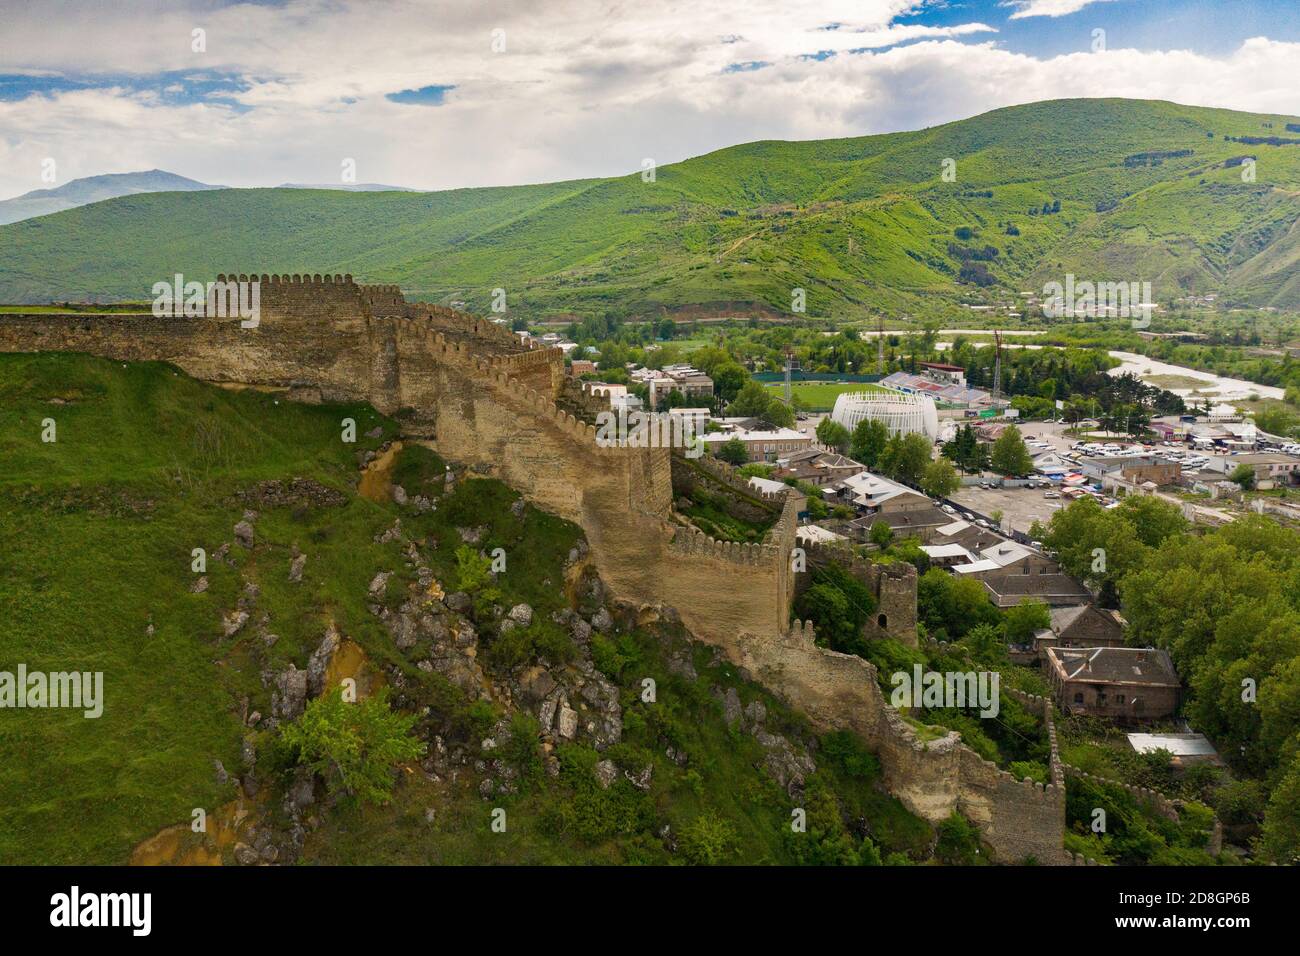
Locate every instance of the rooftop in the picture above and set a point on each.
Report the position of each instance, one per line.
(1140, 666)
(1180, 745)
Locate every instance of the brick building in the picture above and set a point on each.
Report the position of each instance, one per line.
(1126, 683)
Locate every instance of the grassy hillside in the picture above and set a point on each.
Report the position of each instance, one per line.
(859, 223)
(96, 534)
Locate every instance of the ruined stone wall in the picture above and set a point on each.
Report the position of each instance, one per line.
(892, 585)
(706, 475)
(490, 401)
(932, 777)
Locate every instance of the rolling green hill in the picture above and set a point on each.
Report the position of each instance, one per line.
(97, 530)
(860, 223)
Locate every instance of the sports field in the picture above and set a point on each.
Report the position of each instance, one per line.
(820, 396)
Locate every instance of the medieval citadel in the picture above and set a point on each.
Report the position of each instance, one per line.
(493, 403)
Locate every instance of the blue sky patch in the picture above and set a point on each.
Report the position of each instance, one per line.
(173, 88)
(424, 96)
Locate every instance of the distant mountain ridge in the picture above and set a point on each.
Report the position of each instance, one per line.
(349, 187)
(79, 192)
(979, 210)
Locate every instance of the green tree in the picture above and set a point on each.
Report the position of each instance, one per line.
(779, 414)
(966, 451)
(353, 746)
(728, 379)
(906, 456)
(1093, 544)
(1153, 519)
(839, 606)
(940, 479)
(751, 401)
(881, 534)
(734, 452)
(833, 435)
(868, 442)
(707, 840)
(1243, 475)
(1019, 623)
(1281, 836)
(1010, 456)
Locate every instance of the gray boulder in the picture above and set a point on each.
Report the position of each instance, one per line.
(606, 773)
(379, 583)
(289, 698)
(319, 662)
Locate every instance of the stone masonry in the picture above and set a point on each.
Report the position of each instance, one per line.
(488, 400)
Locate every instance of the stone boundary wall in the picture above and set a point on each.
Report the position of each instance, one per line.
(727, 474)
(932, 777)
(1154, 799)
(893, 585)
(489, 409)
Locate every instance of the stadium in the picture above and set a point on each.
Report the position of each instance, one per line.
(901, 413)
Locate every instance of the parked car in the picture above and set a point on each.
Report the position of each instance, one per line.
(1051, 494)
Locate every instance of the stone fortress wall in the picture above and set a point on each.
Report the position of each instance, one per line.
(489, 400)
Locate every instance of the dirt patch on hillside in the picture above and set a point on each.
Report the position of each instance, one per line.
(377, 480)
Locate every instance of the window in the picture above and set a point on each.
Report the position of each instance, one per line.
(1119, 698)
(1078, 698)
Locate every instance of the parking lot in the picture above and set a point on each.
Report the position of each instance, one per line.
(1020, 507)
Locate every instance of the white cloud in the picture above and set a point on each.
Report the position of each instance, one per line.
(1047, 8)
(585, 88)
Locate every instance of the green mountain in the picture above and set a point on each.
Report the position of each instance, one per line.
(79, 192)
(1110, 190)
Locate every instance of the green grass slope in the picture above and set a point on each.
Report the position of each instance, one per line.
(96, 533)
(859, 223)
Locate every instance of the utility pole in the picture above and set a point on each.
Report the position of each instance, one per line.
(790, 361)
(997, 364)
(880, 345)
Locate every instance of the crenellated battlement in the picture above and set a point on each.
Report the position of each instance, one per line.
(489, 400)
(304, 281)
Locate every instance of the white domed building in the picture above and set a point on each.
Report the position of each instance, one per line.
(902, 413)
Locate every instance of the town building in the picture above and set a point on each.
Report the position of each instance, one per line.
(942, 390)
(1080, 625)
(1185, 750)
(760, 444)
(872, 495)
(816, 466)
(1272, 469)
(1124, 683)
(952, 374)
(901, 413)
(686, 379)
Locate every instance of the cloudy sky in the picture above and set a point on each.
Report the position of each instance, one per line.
(436, 95)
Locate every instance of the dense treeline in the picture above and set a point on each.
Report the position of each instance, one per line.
(1226, 605)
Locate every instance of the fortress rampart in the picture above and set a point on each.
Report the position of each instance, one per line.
(491, 401)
